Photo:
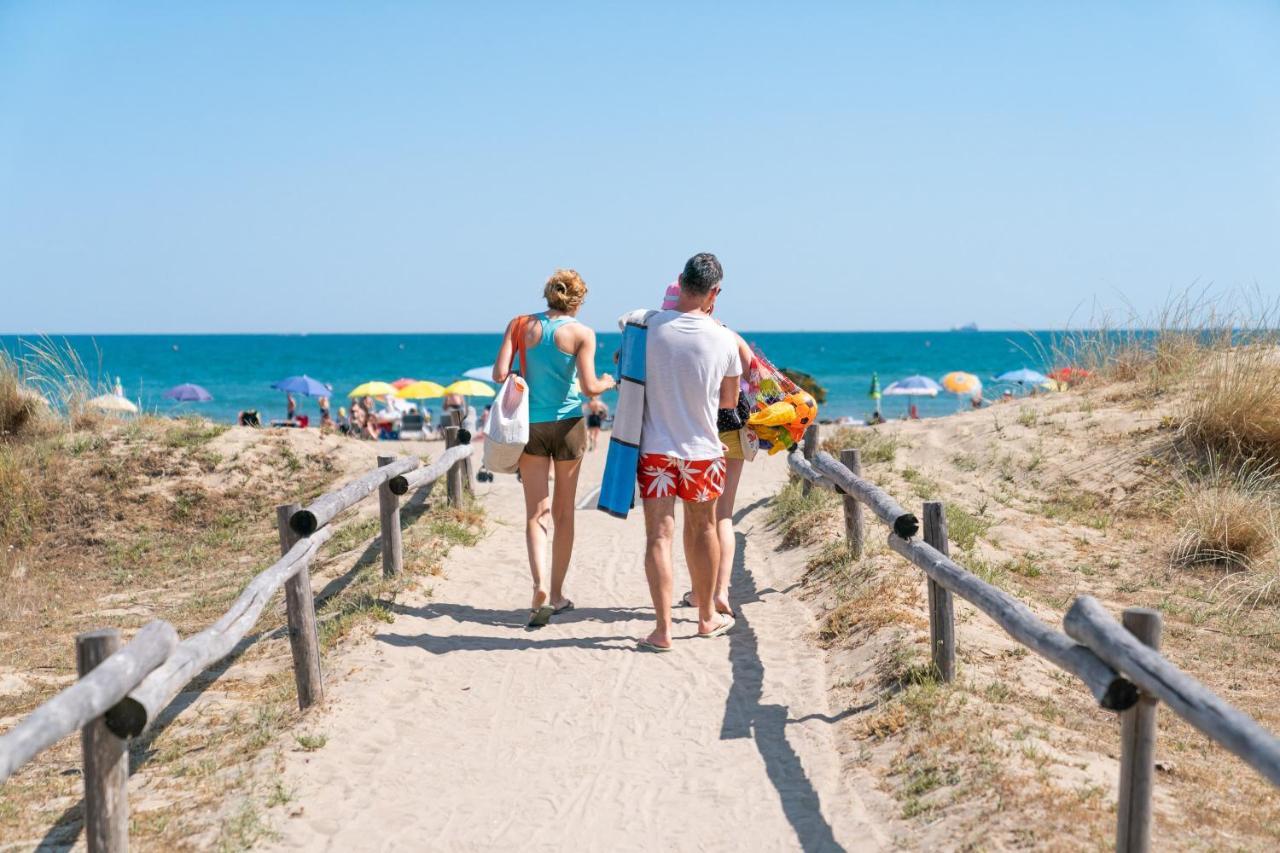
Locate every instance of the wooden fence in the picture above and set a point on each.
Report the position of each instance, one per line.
(122, 689)
(1119, 662)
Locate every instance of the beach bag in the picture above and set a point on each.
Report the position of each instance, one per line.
(506, 431)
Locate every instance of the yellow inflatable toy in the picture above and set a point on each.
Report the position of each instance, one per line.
(781, 425)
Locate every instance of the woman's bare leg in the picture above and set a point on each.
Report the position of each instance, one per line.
(724, 527)
(537, 515)
(562, 510)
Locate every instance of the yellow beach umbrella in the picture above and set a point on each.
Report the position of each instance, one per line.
(469, 388)
(959, 382)
(372, 389)
(421, 391)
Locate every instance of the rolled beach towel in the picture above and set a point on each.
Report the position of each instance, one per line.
(618, 487)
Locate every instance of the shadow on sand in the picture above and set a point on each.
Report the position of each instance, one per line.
(746, 716)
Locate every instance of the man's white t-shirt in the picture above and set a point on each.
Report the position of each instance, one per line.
(687, 356)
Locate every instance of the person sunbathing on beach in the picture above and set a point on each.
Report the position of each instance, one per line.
(559, 358)
(692, 367)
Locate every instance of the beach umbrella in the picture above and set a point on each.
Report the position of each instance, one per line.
(402, 382)
(420, 391)
(913, 386)
(484, 374)
(959, 382)
(469, 388)
(372, 389)
(303, 385)
(188, 393)
(1070, 374)
(874, 393)
(113, 403)
(1023, 377)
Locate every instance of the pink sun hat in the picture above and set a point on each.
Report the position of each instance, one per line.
(672, 296)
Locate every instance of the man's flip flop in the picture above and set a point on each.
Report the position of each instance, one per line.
(724, 628)
(564, 608)
(540, 617)
(646, 646)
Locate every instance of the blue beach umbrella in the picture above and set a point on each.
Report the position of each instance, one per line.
(1023, 376)
(188, 393)
(303, 385)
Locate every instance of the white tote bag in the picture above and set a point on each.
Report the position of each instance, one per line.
(507, 430)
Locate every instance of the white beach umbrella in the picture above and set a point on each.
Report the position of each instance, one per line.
(113, 403)
(484, 374)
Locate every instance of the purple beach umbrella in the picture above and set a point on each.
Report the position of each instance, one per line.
(188, 393)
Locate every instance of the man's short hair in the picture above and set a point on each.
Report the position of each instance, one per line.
(701, 273)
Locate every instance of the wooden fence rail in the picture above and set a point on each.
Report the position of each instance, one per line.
(122, 691)
(1120, 664)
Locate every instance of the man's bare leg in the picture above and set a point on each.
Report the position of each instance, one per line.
(702, 553)
(659, 529)
(537, 514)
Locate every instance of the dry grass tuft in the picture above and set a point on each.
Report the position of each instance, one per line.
(799, 517)
(876, 445)
(1223, 525)
(1233, 405)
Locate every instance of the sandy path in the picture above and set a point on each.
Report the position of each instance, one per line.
(459, 729)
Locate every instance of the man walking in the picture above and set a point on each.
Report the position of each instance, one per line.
(691, 371)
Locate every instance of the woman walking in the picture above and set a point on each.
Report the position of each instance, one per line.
(559, 362)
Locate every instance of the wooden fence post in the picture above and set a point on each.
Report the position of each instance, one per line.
(809, 449)
(942, 626)
(304, 639)
(1138, 748)
(851, 458)
(106, 759)
(453, 480)
(466, 463)
(389, 518)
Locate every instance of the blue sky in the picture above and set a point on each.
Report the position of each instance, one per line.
(370, 166)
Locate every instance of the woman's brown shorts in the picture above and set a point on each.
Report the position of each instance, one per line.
(563, 441)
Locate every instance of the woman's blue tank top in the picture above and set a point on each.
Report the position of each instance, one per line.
(554, 394)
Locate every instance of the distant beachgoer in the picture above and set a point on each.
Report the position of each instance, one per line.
(692, 370)
(560, 356)
(1006, 396)
(325, 420)
(876, 419)
(596, 411)
(292, 405)
(976, 401)
(249, 418)
(913, 414)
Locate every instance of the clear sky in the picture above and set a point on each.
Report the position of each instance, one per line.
(367, 166)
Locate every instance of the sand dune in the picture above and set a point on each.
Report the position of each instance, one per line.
(456, 728)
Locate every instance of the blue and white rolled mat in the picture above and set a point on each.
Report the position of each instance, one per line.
(618, 488)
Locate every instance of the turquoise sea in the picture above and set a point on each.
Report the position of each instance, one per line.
(239, 369)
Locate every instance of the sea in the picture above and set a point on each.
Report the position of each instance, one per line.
(238, 370)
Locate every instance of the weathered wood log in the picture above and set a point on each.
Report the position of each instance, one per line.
(809, 449)
(437, 469)
(942, 626)
(389, 524)
(1138, 748)
(1110, 689)
(806, 472)
(300, 610)
(88, 698)
(323, 509)
(877, 499)
(106, 759)
(1088, 622)
(196, 653)
(453, 481)
(851, 458)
